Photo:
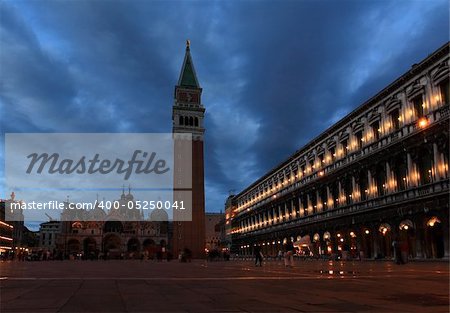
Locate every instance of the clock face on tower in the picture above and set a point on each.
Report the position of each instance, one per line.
(189, 97)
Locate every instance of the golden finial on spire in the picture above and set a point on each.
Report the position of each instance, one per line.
(188, 44)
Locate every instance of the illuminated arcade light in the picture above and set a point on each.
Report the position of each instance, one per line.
(423, 122)
(432, 221)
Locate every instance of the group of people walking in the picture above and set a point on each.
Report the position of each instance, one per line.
(288, 254)
(400, 253)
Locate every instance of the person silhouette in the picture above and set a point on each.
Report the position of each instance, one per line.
(258, 255)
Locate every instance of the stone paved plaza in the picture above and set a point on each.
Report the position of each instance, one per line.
(235, 286)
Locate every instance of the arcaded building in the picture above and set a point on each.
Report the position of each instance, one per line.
(379, 174)
(117, 234)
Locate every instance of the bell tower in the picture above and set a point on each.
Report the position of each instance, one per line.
(187, 118)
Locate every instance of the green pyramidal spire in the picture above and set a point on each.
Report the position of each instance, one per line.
(188, 78)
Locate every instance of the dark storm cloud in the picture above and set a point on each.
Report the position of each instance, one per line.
(274, 74)
(314, 62)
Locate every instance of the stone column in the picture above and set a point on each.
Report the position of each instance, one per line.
(428, 96)
(319, 201)
(329, 197)
(286, 212)
(389, 187)
(301, 209)
(436, 161)
(355, 188)
(293, 209)
(308, 202)
(370, 185)
(412, 179)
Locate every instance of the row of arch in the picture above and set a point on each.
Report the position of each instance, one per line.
(114, 226)
(188, 121)
(425, 238)
(112, 244)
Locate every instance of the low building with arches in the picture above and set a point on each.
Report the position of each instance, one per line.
(377, 176)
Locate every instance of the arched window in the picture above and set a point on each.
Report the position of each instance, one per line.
(181, 120)
(196, 121)
(191, 121)
(417, 102)
(395, 118)
(376, 130)
(443, 88)
(186, 121)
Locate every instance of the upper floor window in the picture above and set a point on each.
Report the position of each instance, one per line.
(359, 136)
(376, 130)
(417, 102)
(321, 159)
(444, 90)
(395, 119)
(311, 165)
(332, 153)
(344, 144)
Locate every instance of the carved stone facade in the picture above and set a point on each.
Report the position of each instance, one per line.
(113, 236)
(378, 175)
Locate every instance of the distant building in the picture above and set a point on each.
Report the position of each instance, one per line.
(213, 230)
(11, 219)
(30, 239)
(6, 233)
(378, 175)
(48, 234)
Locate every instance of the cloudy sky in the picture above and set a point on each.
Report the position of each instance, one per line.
(274, 74)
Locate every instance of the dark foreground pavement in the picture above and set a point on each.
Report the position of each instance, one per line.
(311, 286)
